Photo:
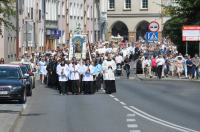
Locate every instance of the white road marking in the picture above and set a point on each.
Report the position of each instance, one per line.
(160, 120)
(131, 115)
(130, 120)
(167, 124)
(116, 99)
(112, 96)
(135, 131)
(132, 126)
(122, 103)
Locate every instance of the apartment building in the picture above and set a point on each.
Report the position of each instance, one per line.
(8, 42)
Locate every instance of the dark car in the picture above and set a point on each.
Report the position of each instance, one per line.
(30, 70)
(12, 83)
(28, 79)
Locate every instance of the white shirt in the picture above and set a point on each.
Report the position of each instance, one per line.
(108, 73)
(118, 59)
(74, 72)
(63, 72)
(160, 61)
(147, 62)
(88, 75)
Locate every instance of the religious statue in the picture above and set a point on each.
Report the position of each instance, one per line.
(77, 47)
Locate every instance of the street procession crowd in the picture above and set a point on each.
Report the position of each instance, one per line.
(106, 60)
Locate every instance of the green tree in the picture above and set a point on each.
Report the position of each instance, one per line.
(7, 9)
(184, 12)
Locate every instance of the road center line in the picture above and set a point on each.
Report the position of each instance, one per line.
(112, 96)
(130, 120)
(135, 131)
(116, 99)
(122, 103)
(132, 126)
(176, 127)
(160, 120)
(131, 115)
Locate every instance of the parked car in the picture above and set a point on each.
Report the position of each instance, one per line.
(29, 83)
(31, 70)
(12, 83)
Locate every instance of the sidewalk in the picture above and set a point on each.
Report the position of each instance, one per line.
(142, 77)
(9, 113)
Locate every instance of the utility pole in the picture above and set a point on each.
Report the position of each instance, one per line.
(17, 29)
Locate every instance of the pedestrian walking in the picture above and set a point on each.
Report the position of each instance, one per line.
(160, 62)
(127, 66)
(98, 75)
(2, 61)
(189, 67)
(63, 73)
(196, 63)
(109, 66)
(74, 76)
(42, 69)
(88, 78)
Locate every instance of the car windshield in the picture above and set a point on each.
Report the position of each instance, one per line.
(9, 73)
(24, 69)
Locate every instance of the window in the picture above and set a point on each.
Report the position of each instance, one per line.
(174, 2)
(127, 4)
(63, 8)
(40, 15)
(144, 4)
(111, 4)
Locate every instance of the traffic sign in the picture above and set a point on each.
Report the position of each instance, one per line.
(191, 33)
(151, 36)
(154, 26)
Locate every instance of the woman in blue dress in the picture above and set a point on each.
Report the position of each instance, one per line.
(189, 67)
(98, 75)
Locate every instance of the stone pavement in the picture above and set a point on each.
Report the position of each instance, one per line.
(9, 113)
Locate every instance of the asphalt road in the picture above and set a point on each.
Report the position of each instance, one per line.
(138, 106)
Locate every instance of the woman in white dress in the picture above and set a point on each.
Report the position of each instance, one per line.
(42, 69)
(179, 66)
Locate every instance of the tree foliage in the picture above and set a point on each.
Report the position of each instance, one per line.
(7, 9)
(184, 12)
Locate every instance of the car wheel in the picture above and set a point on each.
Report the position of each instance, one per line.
(29, 91)
(23, 98)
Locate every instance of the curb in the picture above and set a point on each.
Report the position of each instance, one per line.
(148, 79)
(24, 106)
(12, 129)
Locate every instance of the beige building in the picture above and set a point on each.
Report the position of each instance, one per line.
(8, 42)
(130, 18)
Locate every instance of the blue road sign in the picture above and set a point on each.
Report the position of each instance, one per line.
(151, 36)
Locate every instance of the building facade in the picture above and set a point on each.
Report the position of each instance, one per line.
(51, 24)
(103, 21)
(31, 25)
(130, 18)
(8, 42)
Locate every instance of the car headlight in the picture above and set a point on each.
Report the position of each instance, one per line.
(16, 87)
